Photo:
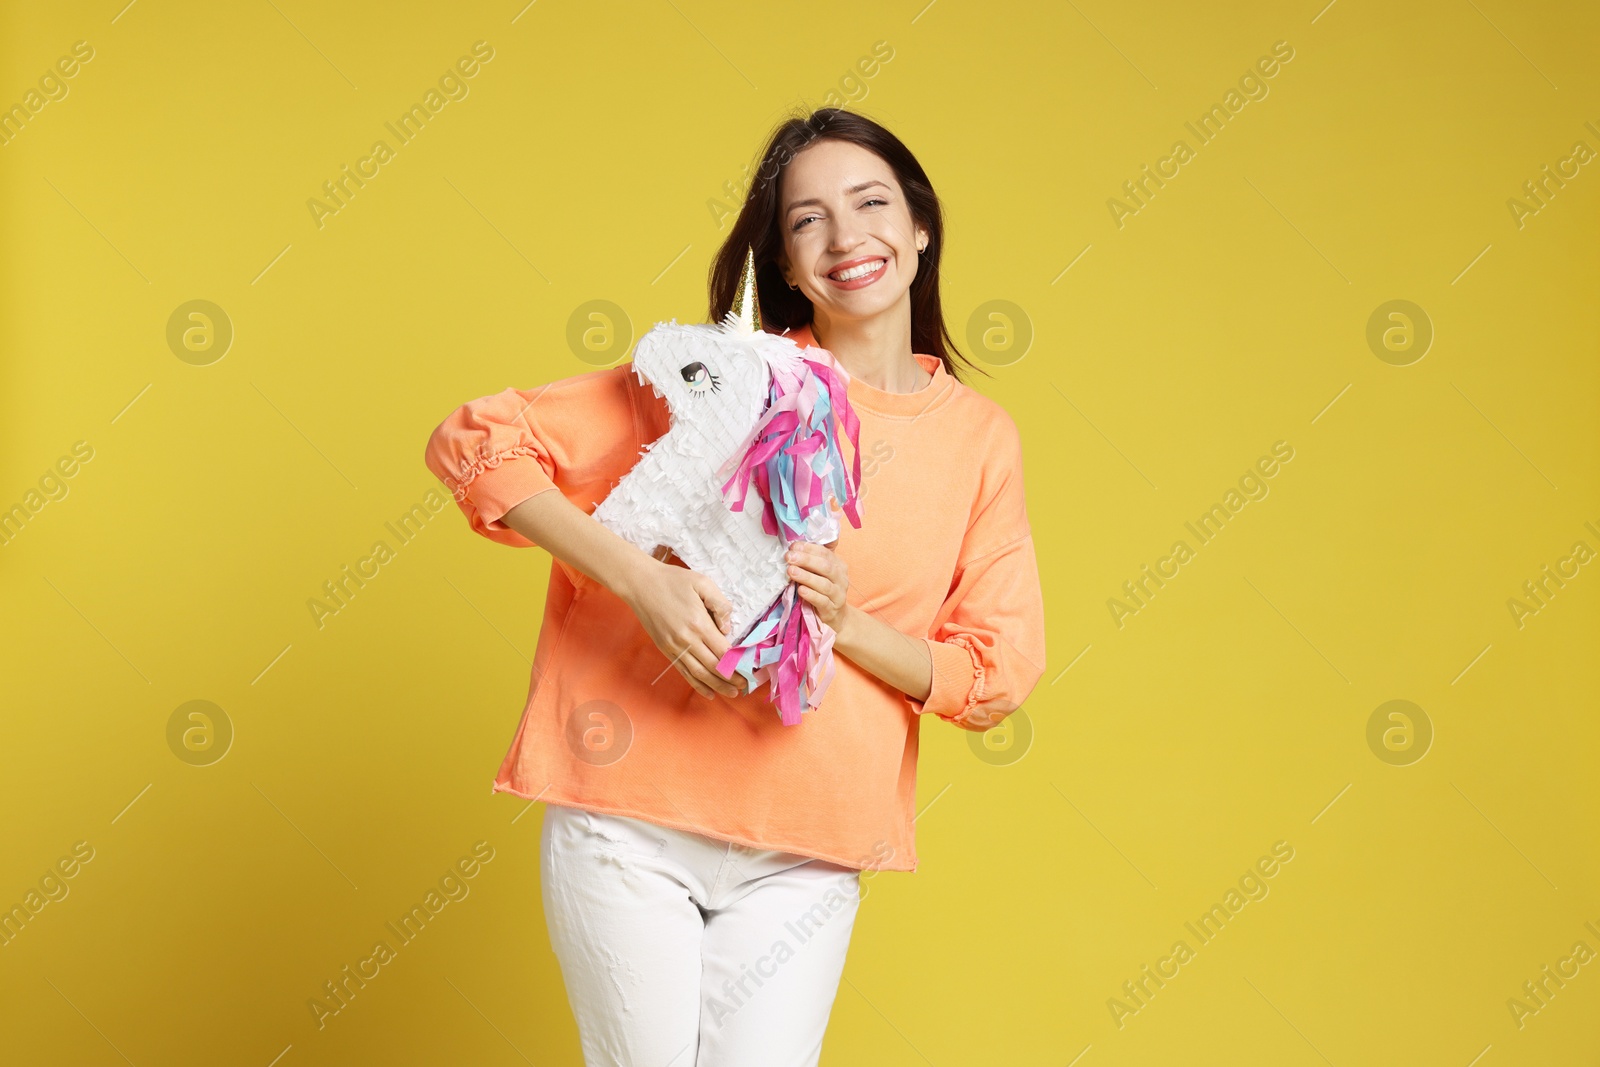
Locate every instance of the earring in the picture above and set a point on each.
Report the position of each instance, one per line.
(792, 285)
(921, 250)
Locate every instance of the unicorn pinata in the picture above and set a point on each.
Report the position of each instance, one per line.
(748, 410)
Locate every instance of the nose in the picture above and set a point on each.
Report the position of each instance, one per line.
(844, 235)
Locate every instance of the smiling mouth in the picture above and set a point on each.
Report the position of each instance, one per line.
(861, 270)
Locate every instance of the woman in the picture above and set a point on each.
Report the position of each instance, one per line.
(700, 861)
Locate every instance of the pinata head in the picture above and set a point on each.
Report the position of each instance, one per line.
(715, 377)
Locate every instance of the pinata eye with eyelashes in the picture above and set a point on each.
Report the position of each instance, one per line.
(700, 377)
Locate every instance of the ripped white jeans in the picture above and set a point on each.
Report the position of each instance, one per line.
(680, 950)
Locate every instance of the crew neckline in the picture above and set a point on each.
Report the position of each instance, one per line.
(865, 396)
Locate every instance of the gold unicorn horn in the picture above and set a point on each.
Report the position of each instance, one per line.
(746, 304)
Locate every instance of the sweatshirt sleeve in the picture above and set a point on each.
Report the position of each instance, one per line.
(987, 642)
(579, 435)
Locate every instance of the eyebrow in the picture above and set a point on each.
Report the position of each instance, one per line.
(848, 192)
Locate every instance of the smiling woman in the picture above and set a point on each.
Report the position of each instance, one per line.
(843, 195)
(670, 867)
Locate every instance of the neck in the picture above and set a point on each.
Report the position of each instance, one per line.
(876, 351)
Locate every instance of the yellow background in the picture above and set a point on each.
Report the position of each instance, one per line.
(1228, 714)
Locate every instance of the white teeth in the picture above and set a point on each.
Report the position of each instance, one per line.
(859, 272)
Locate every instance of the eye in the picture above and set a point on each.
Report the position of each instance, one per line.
(800, 222)
(699, 378)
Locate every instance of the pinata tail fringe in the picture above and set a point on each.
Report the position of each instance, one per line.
(794, 459)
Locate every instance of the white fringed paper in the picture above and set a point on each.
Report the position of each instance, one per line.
(718, 381)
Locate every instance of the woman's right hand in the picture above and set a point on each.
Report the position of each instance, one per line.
(683, 611)
(687, 617)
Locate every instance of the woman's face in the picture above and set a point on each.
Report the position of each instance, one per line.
(843, 210)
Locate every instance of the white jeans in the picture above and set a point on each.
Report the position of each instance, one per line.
(680, 950)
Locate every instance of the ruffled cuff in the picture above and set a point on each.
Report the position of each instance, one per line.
(490, 486)
(957, 681)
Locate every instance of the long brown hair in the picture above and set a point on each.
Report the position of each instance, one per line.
(759, 219)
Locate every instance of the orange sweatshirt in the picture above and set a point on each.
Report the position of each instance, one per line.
(944, 553)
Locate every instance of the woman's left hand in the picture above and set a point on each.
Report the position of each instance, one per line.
(823, 579)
